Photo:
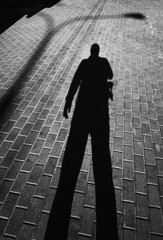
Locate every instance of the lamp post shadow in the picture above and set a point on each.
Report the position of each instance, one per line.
(91, 116)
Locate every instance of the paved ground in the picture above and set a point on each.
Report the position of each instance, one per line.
(39, 56)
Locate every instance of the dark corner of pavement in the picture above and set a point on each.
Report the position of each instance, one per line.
(13, 10)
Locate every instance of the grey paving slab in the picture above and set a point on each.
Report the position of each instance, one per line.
(39, 56)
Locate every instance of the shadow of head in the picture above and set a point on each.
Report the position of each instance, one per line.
(134, 15)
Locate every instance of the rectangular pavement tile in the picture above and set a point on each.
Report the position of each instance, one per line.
(41, 227)
(13, 134)
(8, 159)
(4, 148)
(141, 203)
(37, 146)
(9, 205)
(26, 195)
(26, 232)
(155, 215)
(128, 234)
(5, 187)
(140, 183)
(50, 165)
(34, 210)
(129, 218)
(23, 153)
(128, 190)
(16, 221)
(20, 182)
(14, 169)
(29, 162)
(142, 231)
(18, 142)
(78, 202)
(3, 224)
(36, 173)
(43, 186)
(49, 198)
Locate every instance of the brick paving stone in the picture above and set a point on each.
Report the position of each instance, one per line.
(49, 199)
(142, 205)
(5, 186)
(9, 205)
(142, 229)
(43, 186)
(16, 221)
(13, 170)
(26, 195)
(34, 211)
(37, 146)
(77, 205)
(129, 214)
(41, 227)
(128, 234)
(29, 162)
(26, 232)
(74, 228)
(140, 183)
(128, 190)
(20, 182)
(86, 221)
(18, 142)
(50, 165)
(8, 159)
(43, 156)
(4, 148)
(35, 173)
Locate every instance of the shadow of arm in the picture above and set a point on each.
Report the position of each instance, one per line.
(72, 90)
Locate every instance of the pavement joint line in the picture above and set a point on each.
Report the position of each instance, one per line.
(157, 234)
(128, 201)
(152, 184)
(129, 228)
(3, 217)
(32, 183)
(80, 192)
(9, 235)
(38, 196)
(75, 217)
(21, 207)
(154, 206)
(141, 193)
(8, 179)
(30, 223)
(142, 218)
(91, 183)
(85, 234)
(89, 206)
(45, 211)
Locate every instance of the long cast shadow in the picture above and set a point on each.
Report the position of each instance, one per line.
(91, 116)
(9, 96)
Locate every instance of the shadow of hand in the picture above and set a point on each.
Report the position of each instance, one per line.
(67, 109)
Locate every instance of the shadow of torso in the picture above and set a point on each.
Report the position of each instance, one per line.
(92, 100)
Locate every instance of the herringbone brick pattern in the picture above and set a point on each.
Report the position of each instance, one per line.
(39, 56)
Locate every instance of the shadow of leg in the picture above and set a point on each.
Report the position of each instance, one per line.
(58, 223)
(106, 227)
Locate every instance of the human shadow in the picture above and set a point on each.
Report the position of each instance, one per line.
(7, 99)
(91, 116)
